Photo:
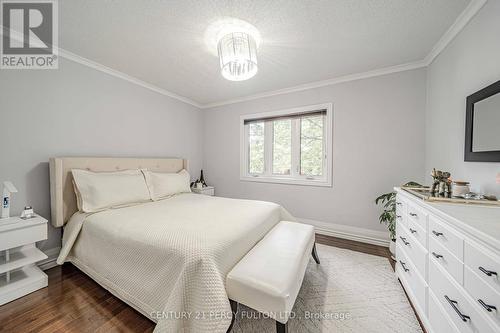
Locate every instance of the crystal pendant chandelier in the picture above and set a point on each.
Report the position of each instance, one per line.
(238, 56)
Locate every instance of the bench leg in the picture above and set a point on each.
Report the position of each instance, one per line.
(234, 310)
(315, 254)
(281, 328)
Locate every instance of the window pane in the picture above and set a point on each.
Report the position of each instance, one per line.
(311, 145)
(282, 146)
(256, 148)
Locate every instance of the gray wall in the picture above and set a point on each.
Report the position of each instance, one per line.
(378, 142)
(78, 111)
(470, 63)
(384, 133)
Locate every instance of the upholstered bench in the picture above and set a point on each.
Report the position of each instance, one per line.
(269, 277)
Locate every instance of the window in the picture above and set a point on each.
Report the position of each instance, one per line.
(288, 146)
(256, 148)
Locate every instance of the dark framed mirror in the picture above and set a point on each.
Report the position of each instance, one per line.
(482, 125)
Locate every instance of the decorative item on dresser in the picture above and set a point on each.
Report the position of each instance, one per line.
(442, 182)
(19, 274)
(207, 190)
(448, 261)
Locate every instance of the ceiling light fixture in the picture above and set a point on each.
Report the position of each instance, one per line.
(238, 56)
(236, 43)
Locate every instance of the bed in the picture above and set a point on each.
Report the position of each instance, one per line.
(169, 258)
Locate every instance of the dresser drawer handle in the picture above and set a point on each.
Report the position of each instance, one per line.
(398, 216)
(413, 214)
(454, 306)
(486, 306)
(404, 240)
(413, 230)
(437, 234)
(437, 256)
(487, 272)
(404, 266)
(398, 203)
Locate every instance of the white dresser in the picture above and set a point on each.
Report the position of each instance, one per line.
(19, 274)
(448, 261)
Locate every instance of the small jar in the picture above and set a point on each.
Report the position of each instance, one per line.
(459, 189)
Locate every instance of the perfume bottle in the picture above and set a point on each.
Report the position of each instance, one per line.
(202, 179)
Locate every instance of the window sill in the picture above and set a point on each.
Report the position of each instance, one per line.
(291, 181)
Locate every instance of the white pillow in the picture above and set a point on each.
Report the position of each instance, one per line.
(97, 191)
(162, 185)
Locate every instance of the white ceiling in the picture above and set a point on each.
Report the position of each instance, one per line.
(162, 42)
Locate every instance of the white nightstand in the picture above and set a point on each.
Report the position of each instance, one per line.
(19, 274)
(208, 190)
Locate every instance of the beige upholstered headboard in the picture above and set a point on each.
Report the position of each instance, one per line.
(62, 195)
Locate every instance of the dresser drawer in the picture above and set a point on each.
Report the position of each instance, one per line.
(483, 263)
(22, 236)
(446, 260)
(411, 278)
(438, 318)
(401, 205)
(483, 294)
(416, 231)
(418, 215)
(447, 237)
(414, 251)
(464, 314)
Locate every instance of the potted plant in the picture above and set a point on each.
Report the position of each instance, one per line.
(388, 216)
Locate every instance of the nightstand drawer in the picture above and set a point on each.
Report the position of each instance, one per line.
(22, 236)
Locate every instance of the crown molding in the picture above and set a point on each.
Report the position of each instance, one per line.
(100, 67)
(110, 71)
(468, 13)
(318, 84)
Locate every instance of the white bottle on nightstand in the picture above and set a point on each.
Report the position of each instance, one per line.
(8, 188)
(19, 274)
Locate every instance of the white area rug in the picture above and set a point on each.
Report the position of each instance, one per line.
(349, 292)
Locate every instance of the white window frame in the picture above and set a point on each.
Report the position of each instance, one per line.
(294, 178)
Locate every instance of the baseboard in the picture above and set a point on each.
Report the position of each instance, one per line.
(348, 232)
(51, 260)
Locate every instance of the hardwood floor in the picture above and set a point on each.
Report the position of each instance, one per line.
(73, 302)
(356, 246)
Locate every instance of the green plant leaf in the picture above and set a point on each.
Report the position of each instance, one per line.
(388, 216)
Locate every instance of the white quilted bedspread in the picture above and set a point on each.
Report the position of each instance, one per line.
(169, 259)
